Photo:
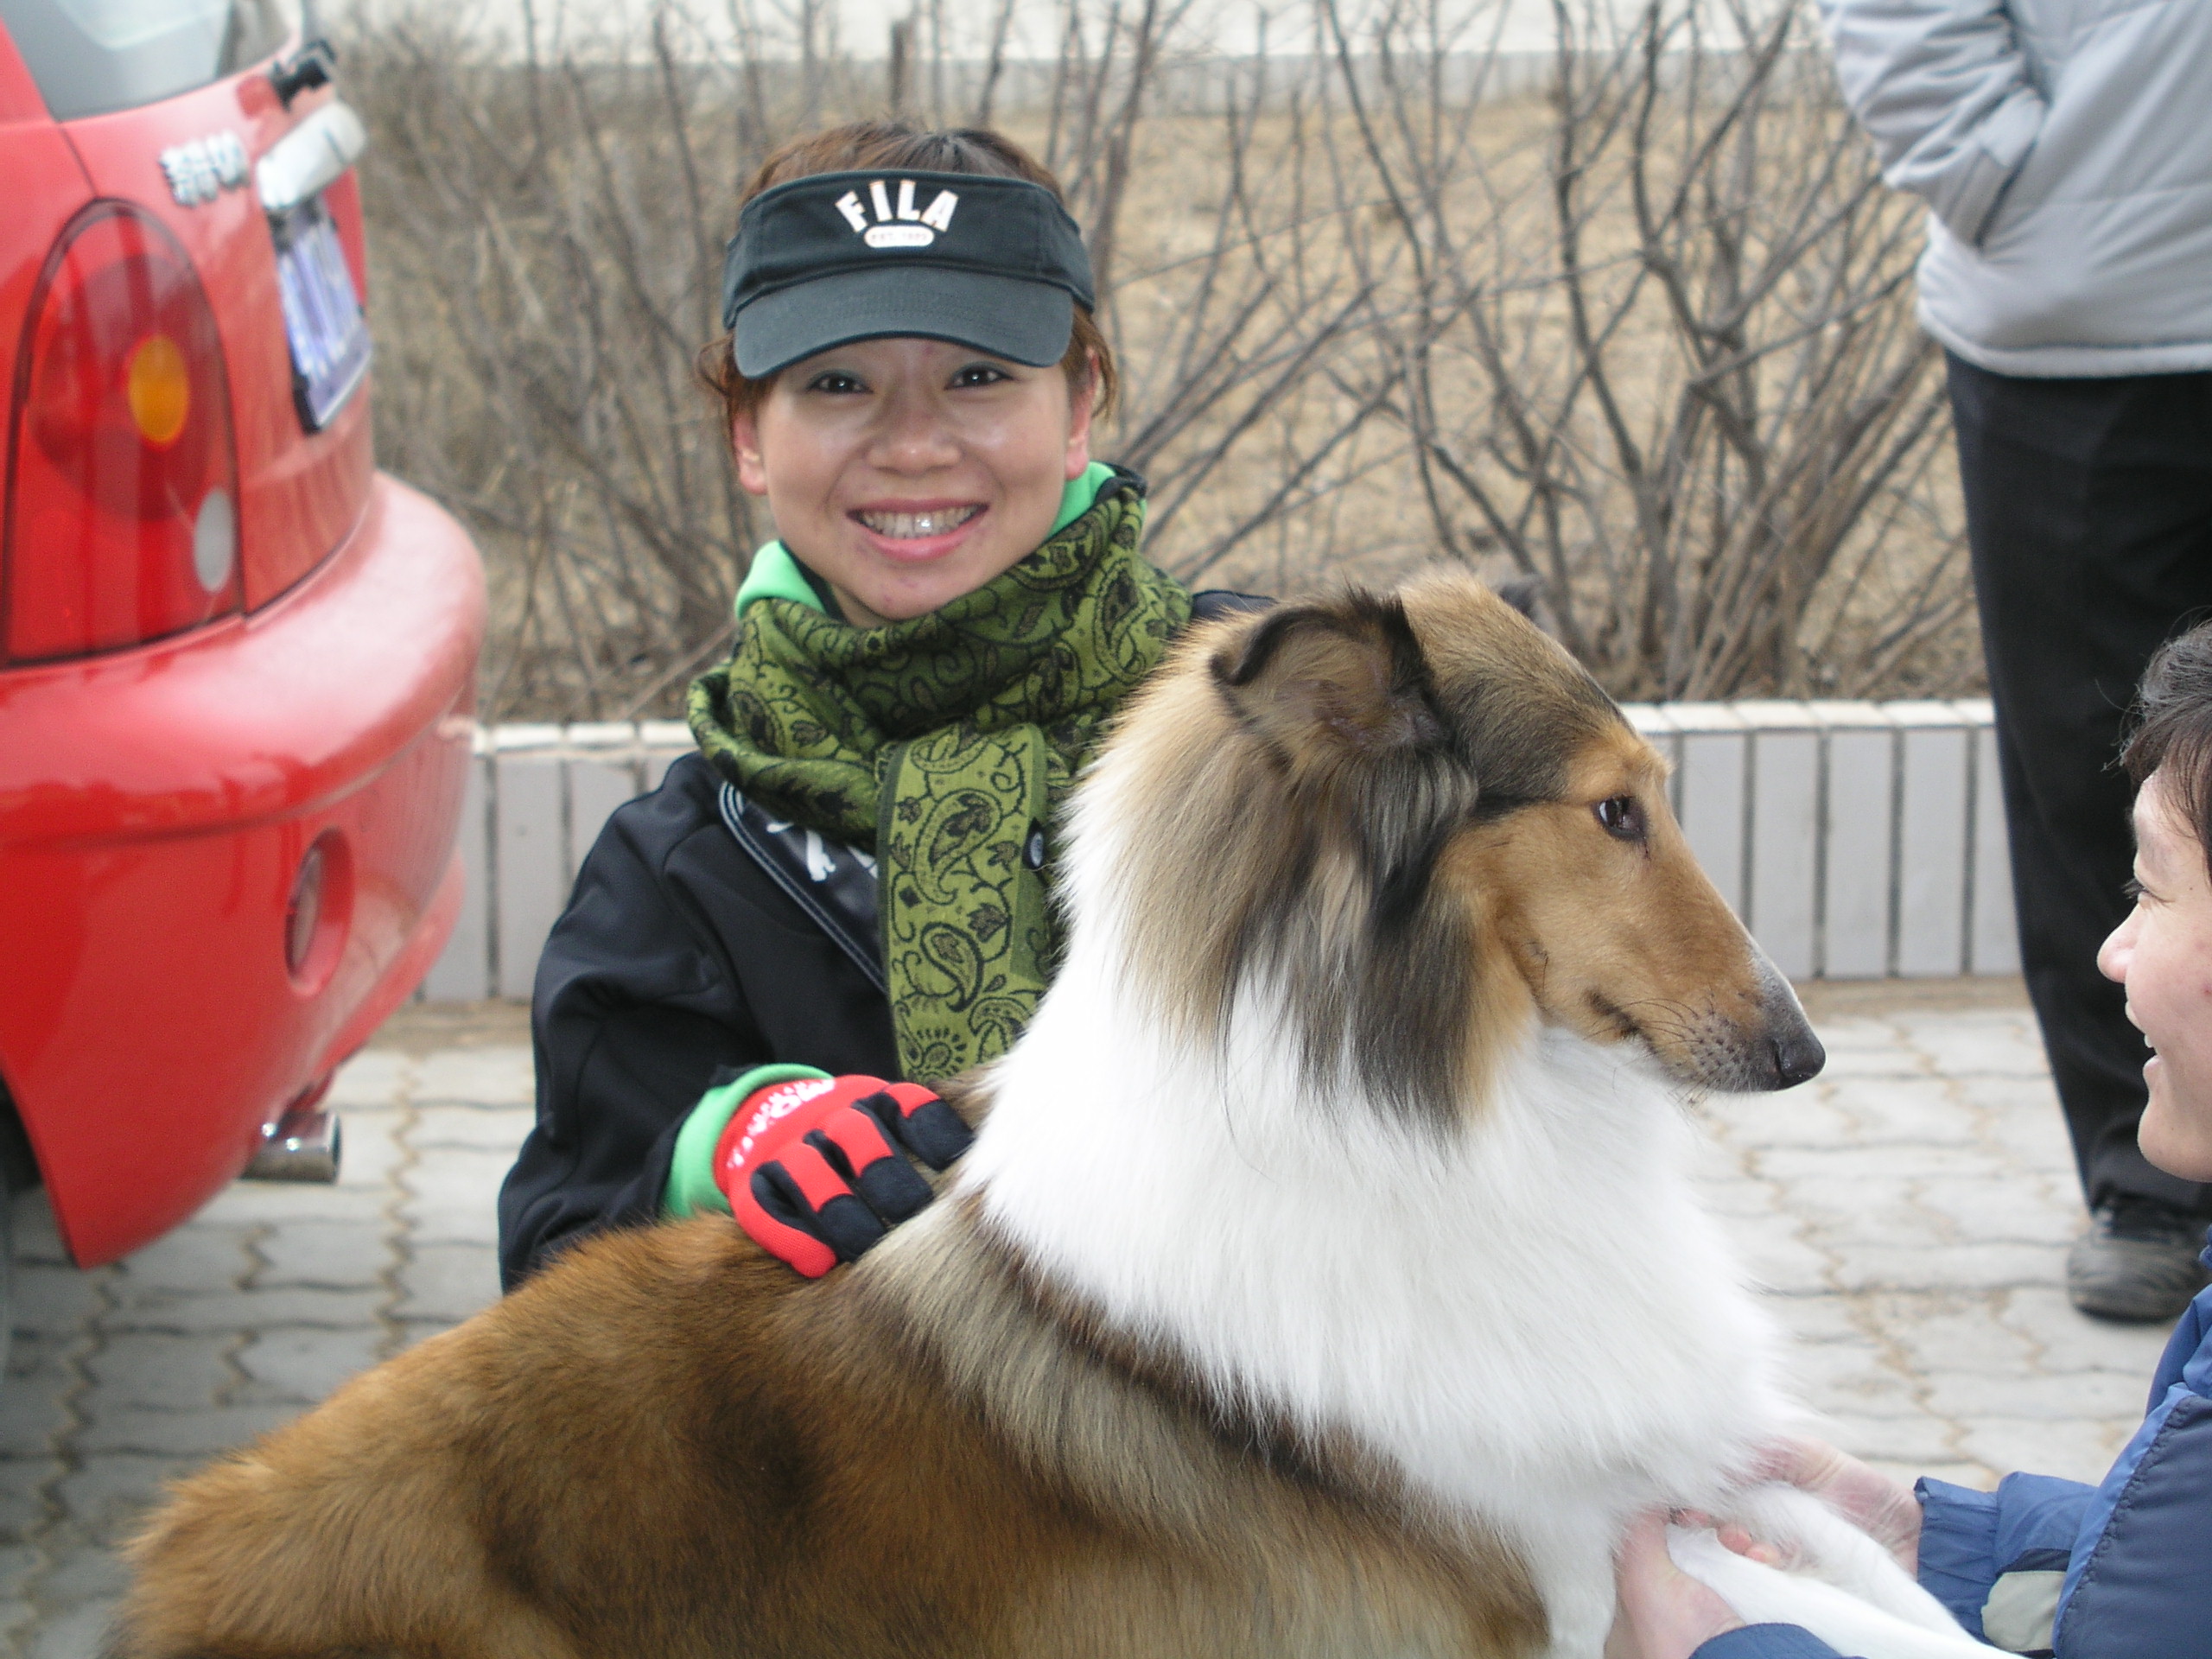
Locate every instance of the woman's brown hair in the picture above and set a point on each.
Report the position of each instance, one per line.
(862, 145)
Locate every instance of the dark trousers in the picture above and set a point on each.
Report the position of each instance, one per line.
(2089, 515)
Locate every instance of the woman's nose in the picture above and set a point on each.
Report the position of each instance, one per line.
(2118, 948)
(913, 437)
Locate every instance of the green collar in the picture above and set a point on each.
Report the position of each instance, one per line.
(776, 575)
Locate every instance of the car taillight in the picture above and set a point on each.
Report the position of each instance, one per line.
(122, 519)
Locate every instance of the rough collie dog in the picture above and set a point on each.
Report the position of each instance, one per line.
(1324, 1280)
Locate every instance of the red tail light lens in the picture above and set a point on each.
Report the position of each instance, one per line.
(123, 487)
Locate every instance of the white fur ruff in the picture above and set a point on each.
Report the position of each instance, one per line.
(1532, 1318)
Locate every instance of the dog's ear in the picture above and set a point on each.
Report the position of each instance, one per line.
(1345, 679)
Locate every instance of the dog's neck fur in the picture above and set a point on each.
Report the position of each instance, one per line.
(1457, 1307)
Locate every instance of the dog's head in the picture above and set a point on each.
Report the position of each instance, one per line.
(1416, 827)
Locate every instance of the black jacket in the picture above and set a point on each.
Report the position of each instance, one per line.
(684, 957)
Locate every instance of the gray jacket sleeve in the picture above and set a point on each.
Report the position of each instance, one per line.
(1943, 89)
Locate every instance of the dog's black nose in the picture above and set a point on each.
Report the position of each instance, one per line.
(1797, 1058)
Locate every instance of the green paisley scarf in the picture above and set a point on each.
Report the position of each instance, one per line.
(945, 745)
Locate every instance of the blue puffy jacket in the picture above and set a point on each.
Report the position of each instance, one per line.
(2120, 1570)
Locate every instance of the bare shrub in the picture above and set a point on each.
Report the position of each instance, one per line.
(1657, 354)
(1643, 337)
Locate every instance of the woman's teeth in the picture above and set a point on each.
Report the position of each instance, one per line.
(912, 526)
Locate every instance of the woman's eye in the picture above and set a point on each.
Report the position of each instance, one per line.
(835, 380)
(1621, 818)
(980, 374)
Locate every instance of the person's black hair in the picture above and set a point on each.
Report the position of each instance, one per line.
(2172, 734)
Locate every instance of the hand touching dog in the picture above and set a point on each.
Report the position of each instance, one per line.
(813, 1169)
(1665, 1613)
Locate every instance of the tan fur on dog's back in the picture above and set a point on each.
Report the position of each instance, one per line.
(668, 1444)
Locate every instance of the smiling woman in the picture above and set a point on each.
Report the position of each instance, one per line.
(912, 471)
(845, 897)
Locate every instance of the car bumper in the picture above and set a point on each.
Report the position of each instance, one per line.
(156, 806)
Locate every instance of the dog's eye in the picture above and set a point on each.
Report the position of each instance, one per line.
(1621, 818)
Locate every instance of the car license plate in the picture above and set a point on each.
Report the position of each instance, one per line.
(323, 321)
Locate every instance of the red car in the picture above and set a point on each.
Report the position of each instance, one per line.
(237, 664)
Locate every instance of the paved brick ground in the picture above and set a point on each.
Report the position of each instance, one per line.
(1911, 1211)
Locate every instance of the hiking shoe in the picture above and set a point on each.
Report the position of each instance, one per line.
(2138, 1262)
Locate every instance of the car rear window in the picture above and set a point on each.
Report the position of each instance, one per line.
(92, 56)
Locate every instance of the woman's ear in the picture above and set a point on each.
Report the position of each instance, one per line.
(1080, 400)
(745, 448)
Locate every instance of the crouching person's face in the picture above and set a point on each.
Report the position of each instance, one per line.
(2161, 954)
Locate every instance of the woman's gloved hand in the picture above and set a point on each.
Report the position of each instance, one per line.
(815, 1168)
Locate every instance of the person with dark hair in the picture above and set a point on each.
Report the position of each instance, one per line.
(844, 896)
(2063, 149)
(2040, 1565)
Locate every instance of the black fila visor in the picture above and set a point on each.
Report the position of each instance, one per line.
(992, 262)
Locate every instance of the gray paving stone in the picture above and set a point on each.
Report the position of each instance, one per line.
(1961, 1337)
(1904, 1112)
(258, 1203)
(162, 1370)
(370, 1147)
(33, 1409)
(1888, 1219)
(1800, 1118)
(300, 1367)
(454, 1195)
(197, 1433)
(1740, 1199)
(16, 1615)
(239, 1310)
(1889, 1060)
(52, 1300)
(449, 1282)
(374, 1079)
(85, 1575)
(1810, 1170)
(106, 1494)
(497, 1129)
(38, 1239)
(2069, 1340)
(1850, 1035)
(1820, 1317)
(1856, 1378)
(485, 1077)
(23, 1505)
(78, 1633)
(1948, 1266)
(17, 1563)
(194, 1256)
(1776, 1256)
(1911, 1440)
(2070, 1396)
(328, 1254)
(2000, 1209)
(2081, 1449)
(33, 1401)
(1978, 1044)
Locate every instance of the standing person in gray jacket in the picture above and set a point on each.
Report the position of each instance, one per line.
(2064, 148)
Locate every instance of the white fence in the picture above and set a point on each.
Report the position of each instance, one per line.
(1857, 839)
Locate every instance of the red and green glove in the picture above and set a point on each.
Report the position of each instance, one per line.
(815, 1168)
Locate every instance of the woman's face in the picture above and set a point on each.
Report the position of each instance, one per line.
(2163, 955)
(908, 472)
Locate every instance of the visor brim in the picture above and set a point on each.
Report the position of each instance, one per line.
(1025, 322)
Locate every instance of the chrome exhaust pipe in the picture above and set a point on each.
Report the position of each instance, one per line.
(301, 1145)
